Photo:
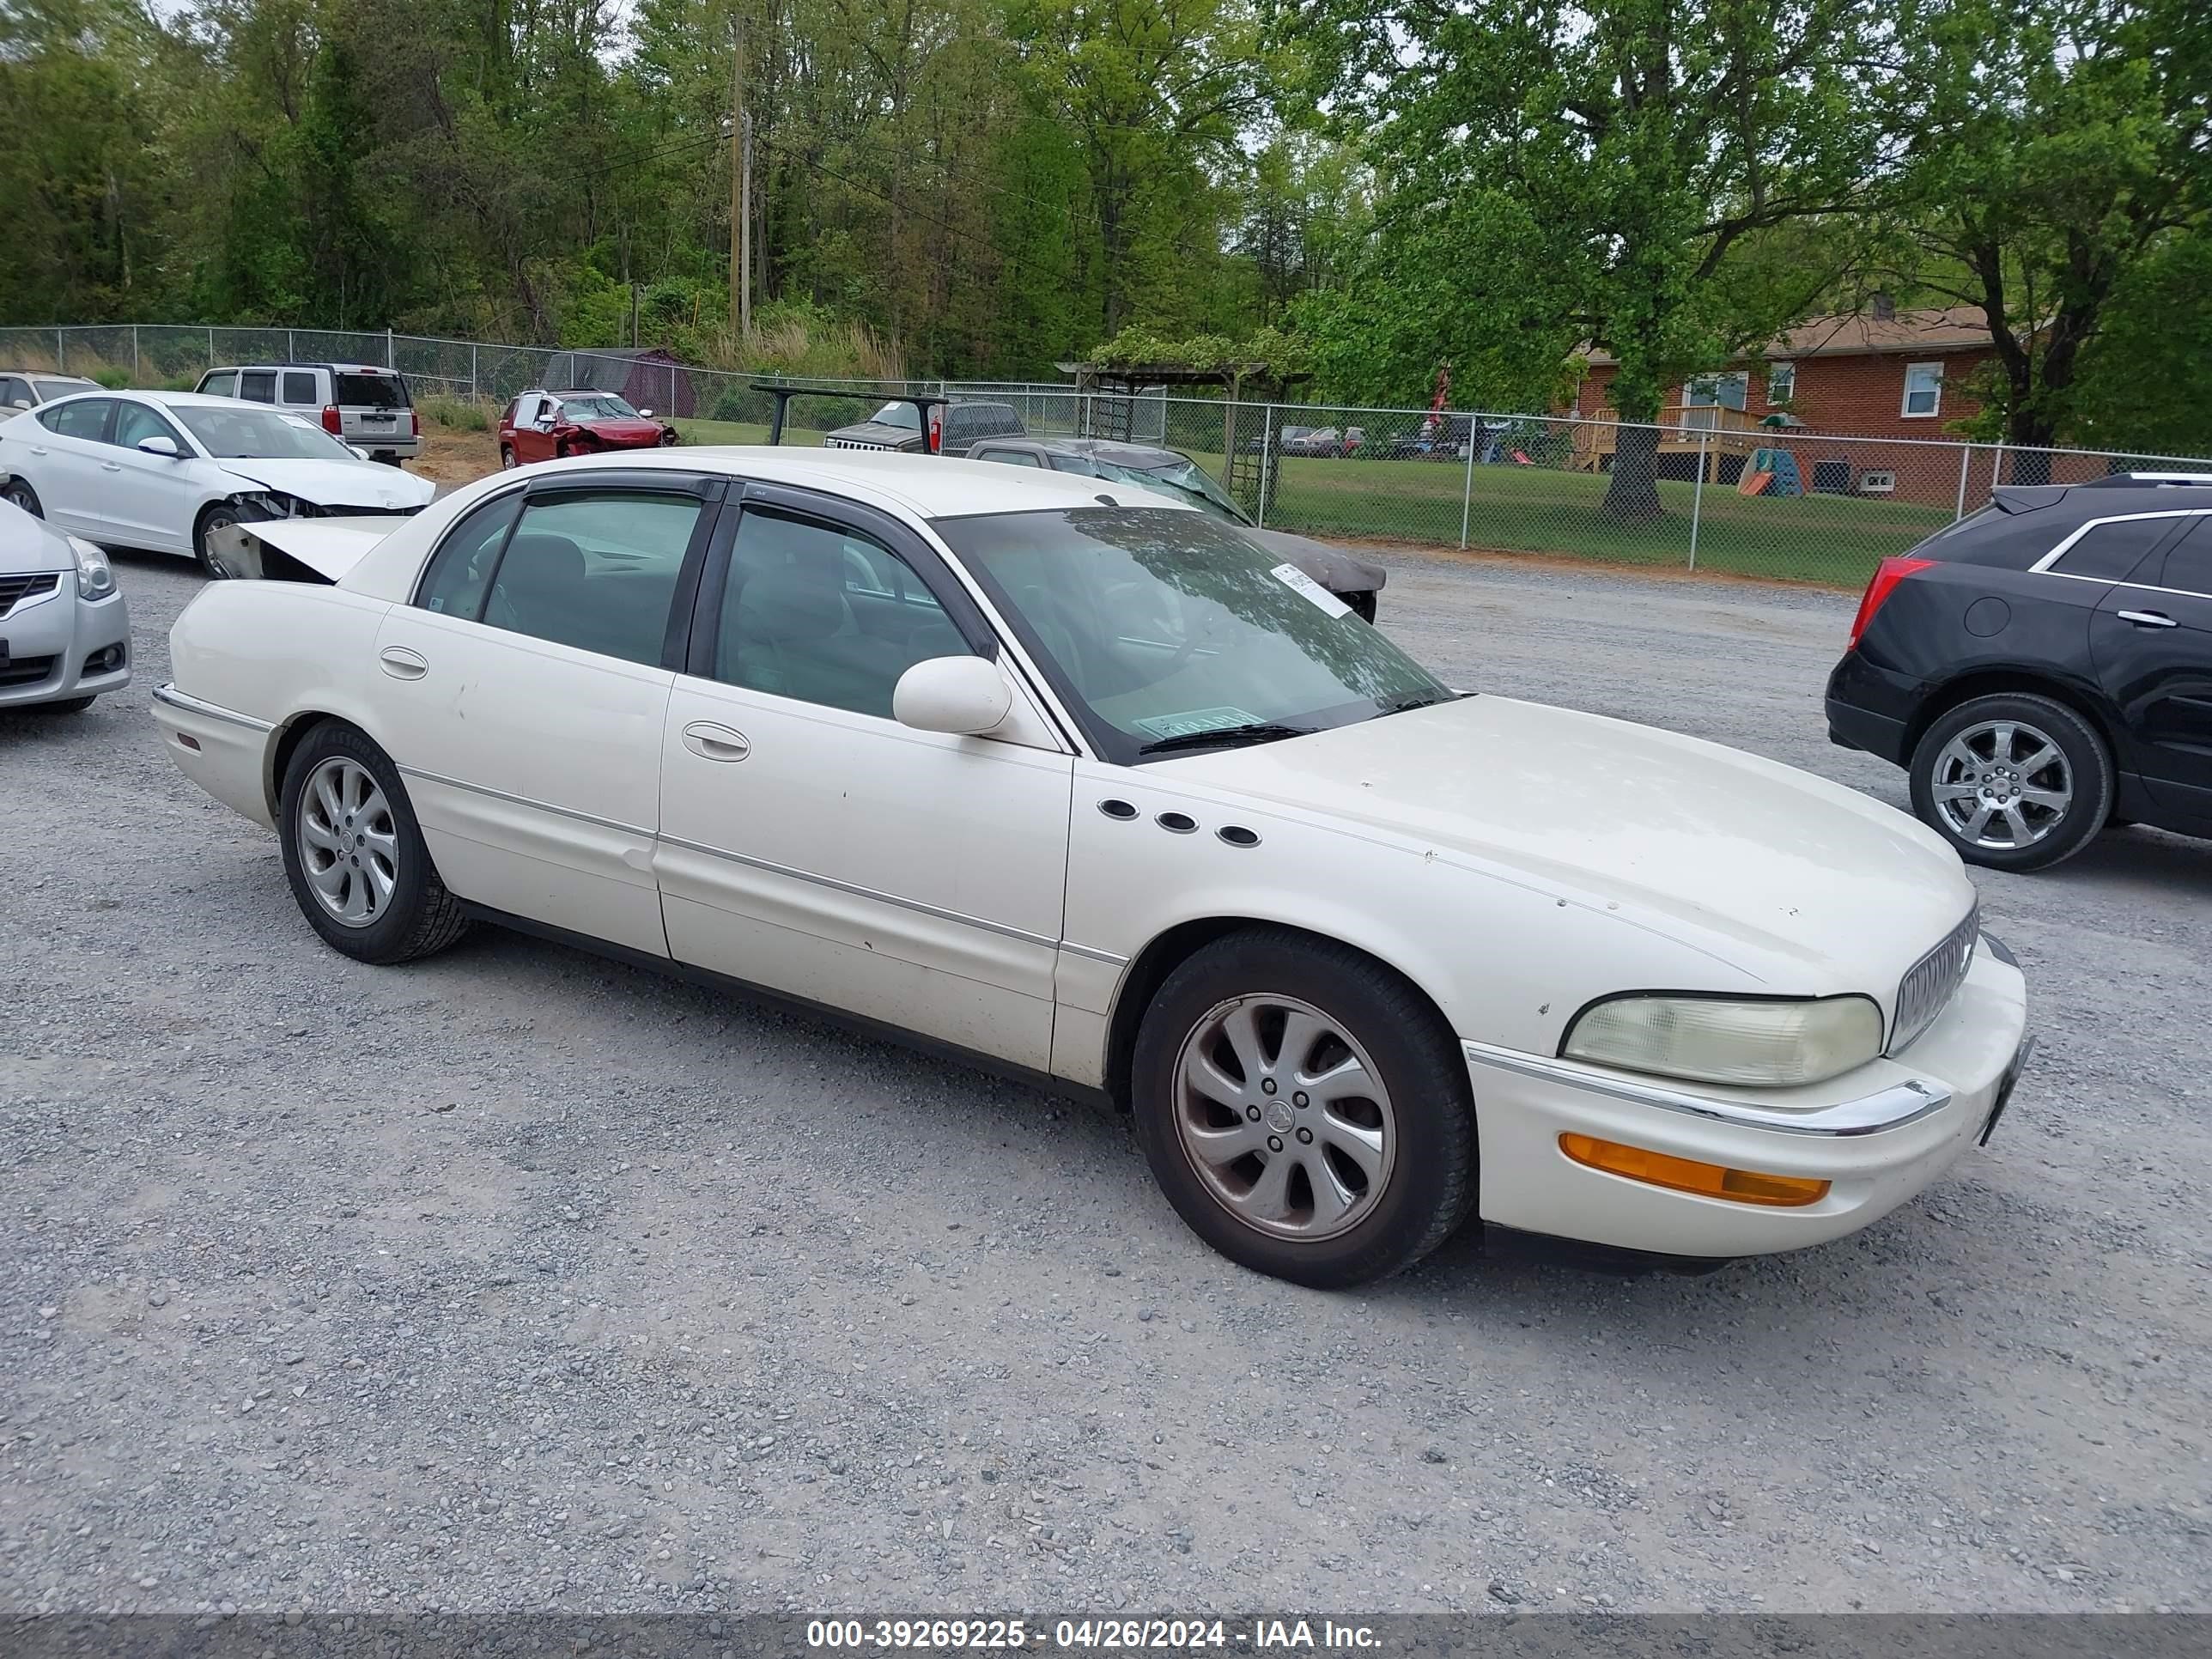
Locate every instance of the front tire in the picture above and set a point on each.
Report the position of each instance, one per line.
(1304, 1110)
(20, 493)
(506, 462)
(222, 516)
(355, 855)
(2013, 781)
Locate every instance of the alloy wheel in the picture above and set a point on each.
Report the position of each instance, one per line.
(1285, 1117)
(2001, 785)
(348, 841)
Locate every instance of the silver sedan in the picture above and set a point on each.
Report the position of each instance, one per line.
(65, 629)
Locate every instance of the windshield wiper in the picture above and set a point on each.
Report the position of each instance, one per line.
(1420, 700)
(1253, 732)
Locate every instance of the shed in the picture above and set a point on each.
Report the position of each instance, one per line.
(651, 378)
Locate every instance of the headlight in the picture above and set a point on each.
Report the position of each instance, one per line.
(95, 577)
(1769, 1045)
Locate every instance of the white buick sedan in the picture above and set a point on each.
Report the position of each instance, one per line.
(1066, 777)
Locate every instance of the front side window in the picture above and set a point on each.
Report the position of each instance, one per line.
(1010, 457)
(135, 423)
(1923, 389)
(260, 433)
(224, 385)
(257, 385)
(300, 386)
(2112, 550)
(825, 615)
(1167, 629)
(80, 417)
(461, 569)
(597, 571)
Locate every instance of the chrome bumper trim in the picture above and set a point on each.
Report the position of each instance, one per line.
(1871, 1114)
(192, 705)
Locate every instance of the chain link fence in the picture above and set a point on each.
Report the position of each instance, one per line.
(1784, 503)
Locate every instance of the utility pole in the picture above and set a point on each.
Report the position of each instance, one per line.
(741, 298)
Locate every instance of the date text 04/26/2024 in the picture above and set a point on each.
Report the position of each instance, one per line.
(1085, 1634)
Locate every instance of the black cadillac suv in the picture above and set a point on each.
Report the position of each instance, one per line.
(2043, 668)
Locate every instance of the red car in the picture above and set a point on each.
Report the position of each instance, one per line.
(544, 426)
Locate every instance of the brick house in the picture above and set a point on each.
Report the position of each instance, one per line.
(1827, 392)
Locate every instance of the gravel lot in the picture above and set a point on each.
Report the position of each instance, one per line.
(516, 1280)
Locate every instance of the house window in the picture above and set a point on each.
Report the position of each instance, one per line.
(1923, 389)
(1718, 390)
(1781, 382)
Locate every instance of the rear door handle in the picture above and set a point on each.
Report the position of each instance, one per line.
(402, 664)
(2148, 619)
(716, 742)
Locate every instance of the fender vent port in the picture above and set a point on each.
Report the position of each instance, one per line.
(1181, 823)
(1237, 835)
(1117, 809)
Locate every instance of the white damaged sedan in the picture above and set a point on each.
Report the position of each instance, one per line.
(171, 471)
(1092, 788)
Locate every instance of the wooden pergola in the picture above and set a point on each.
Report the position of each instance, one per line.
(1106, 393)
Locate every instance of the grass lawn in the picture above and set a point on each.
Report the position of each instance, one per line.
(742, 432)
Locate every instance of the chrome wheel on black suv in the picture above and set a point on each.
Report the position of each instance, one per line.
(2014, 782)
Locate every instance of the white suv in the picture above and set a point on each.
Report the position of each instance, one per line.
(365, 404)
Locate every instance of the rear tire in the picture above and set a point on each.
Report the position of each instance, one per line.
(354, 853)
(1361, 1100)
(22, 495)
(2013, 781)
(506, 462)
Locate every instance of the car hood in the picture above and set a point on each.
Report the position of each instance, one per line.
(1807, 887)
(877, 434)
(639, 431)
(27, 545)
(1333, 567)
(335, 483)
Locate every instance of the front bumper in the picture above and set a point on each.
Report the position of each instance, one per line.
(61, 647)
(1879, 1134)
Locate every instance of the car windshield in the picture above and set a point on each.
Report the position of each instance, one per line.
(599, 406)
(1168, 630)
(259, 434)
(50, 390)
(897, 414)
(1182, 479)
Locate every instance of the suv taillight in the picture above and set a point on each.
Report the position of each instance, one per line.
(936, 428)
(331, 424)
(1886, 575)
(414, 423)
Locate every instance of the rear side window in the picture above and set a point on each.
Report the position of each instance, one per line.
(2189, 562)
(2111, 552)
(300, 386)
(81, 417)
(258, 384)
(372, 391)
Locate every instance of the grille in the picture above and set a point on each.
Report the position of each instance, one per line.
(14, 590)
(1931, 983)
(854, 443)
(25, 671)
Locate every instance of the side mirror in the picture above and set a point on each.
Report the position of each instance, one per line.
(645, 414)
(360, 454)
(960, 695)
(157, 445)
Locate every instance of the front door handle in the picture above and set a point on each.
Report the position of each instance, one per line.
(111, 466)
(2148, 619)
(716, 742)
(402, 664)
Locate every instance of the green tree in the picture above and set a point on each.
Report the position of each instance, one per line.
(1598, 167)
(2060, 146)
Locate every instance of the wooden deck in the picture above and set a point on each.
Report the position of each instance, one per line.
(1682, 430)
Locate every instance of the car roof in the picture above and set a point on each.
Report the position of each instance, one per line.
(931, 486)
(343, 368)
(48, 374)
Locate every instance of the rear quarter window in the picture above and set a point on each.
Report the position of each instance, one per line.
(2113, 552)
(300, 387)
(372, 391)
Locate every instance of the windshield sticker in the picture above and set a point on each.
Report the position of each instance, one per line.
(1307, 588)
(304, 424)
(1195, 719)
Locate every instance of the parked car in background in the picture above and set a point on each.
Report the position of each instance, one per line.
(65, 629)
(1351, 579)
(945, 428)
(546, 426)
(1322, 442)
(22, 388)
(1109, 795)
(2043, 668)
(364, 404)
(1438, 438)
(167, 470)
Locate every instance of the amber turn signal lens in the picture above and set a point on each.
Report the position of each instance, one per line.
(1687, 1175)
